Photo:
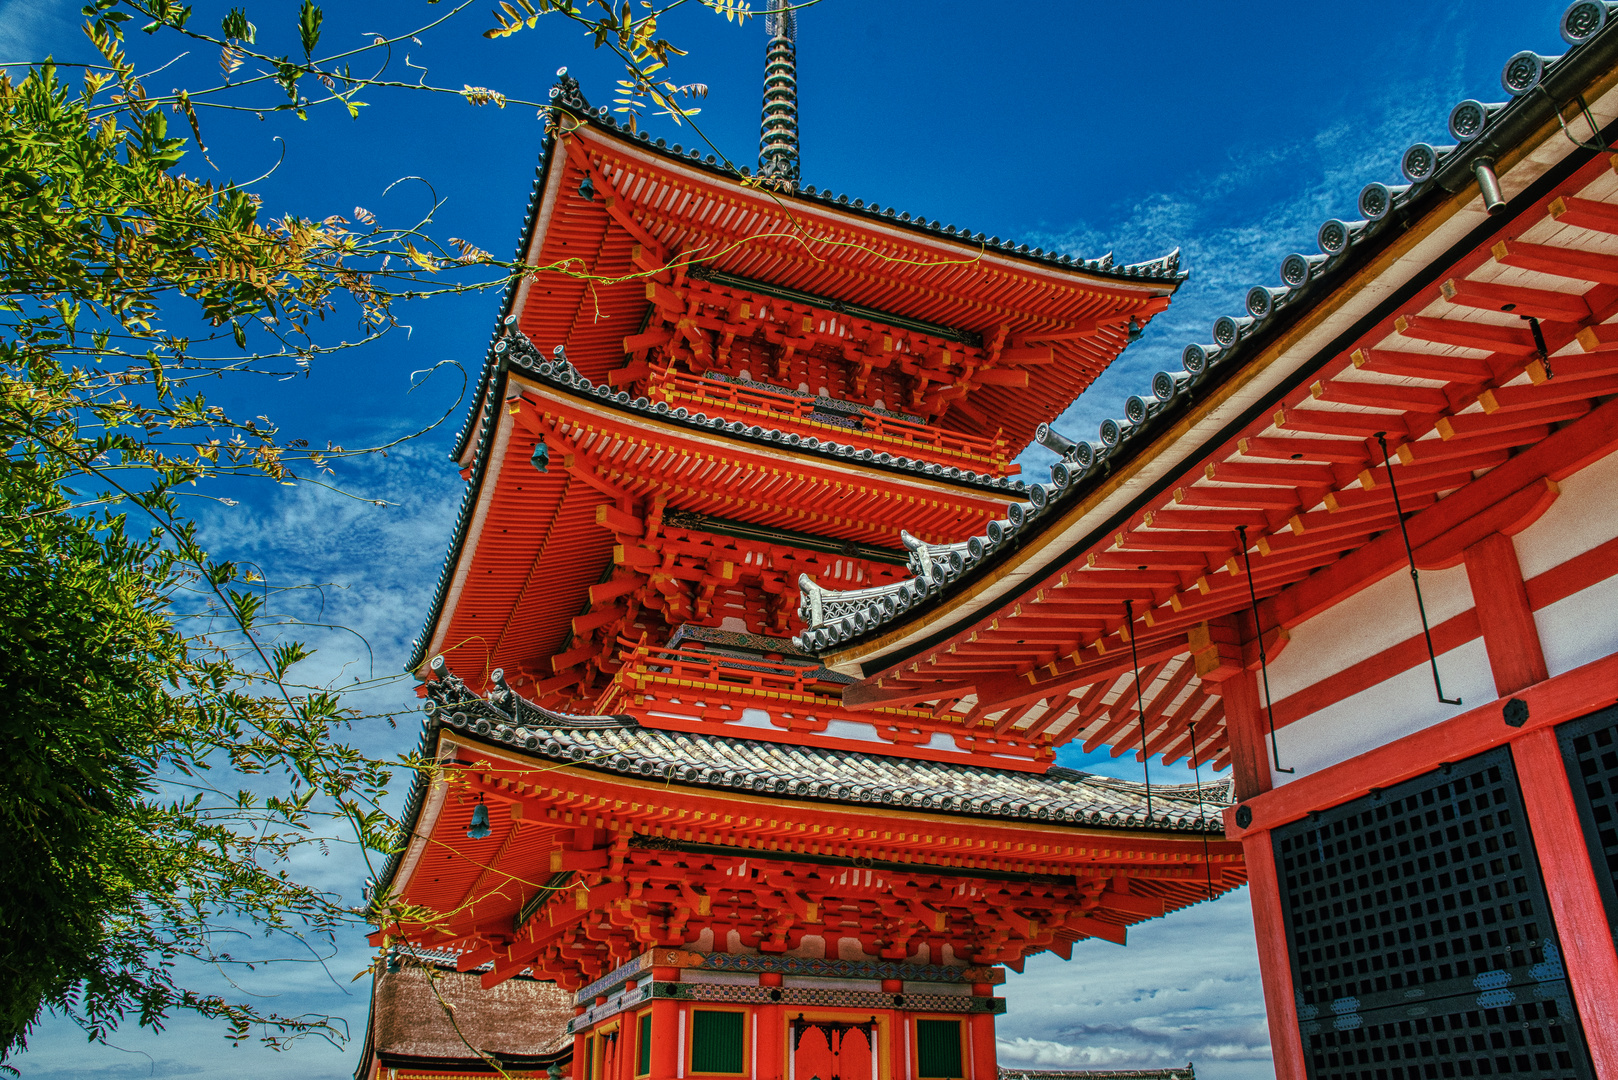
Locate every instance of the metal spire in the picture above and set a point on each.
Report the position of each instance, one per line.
(778, 139)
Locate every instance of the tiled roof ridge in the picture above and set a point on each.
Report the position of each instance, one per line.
(513, 348)
(620, 744)
(844, 617)
(567, 95)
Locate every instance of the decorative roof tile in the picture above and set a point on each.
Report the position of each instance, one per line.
(839, 618)
(512, 349)
(620, 745)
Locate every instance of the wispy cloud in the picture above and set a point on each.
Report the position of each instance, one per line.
(1185, 988)
(1297, 183)
(375, 568)
(33, 29)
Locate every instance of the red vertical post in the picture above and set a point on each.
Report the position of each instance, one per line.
(1509, 634)
(771, 1032)
(579, 1037)
(985, 1063)
(665, 1056)
(1274, 959)
(898, 1046)
(1218, 652)
(1570, 881)
(1248, 731)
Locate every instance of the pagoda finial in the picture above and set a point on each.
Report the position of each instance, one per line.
(778, 140)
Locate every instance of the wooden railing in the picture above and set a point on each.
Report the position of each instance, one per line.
(789, 412)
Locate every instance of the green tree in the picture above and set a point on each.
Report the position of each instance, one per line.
(132, 664)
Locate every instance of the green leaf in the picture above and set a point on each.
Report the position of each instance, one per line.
(309, 19)
(236, 27)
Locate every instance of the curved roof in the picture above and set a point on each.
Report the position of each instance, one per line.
(1053, 289)
(619, 745)
(856, 627)
(512, 352)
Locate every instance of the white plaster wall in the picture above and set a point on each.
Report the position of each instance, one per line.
(1390, 710)
(1582, 628)
(1574, 631)
(1583, 516)
(1371, 620)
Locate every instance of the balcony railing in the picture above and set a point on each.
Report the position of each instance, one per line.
(789, 412)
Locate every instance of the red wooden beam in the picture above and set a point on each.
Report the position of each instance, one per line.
(1274, 958)
(1474, 425)
(1564, 388)
(1397, 397)
(1584, 213)
(1204, 519)
(1575, 897)
(1504, 615)
(1510, 340)
(1338, 422)
(1583, 441)
(1510, 515)
(1238, 498)
(1126, 708)
(876, 694)
(1346, 451)
(1462, 369)
(1572, 694)
(1426, 451)
(1518, 299)
(1558, 261)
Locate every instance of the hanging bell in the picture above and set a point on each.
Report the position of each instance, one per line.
(1134, 329)
(587, 189)
(541, 459)
(480, 823)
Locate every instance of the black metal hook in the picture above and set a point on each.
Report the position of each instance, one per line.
(1539, 345)
(1415, 576)
(1263, 655)
(1140, 703)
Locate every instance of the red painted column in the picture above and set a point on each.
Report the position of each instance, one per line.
(899, 1047)
(579, 1035)
(665, 1058)
(1274, 962)
(771, 1033)
(1570, 880)
(985, 1063)
(1247, 729)
(1507, 621)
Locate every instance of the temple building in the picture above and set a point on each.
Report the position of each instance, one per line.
(647, 792)
(1374, 520)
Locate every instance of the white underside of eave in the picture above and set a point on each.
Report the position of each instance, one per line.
(1550, 152)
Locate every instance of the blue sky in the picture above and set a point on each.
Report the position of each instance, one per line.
(1229, 130)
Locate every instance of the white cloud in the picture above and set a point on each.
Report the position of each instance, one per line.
(33, 29)
(1299, 182)
(1185, 988)
(361, 622)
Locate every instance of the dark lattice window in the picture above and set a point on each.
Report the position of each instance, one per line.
(1421, 941)
(938, 1049)
(643, 1044)
(1590, 748)
(718, 1042)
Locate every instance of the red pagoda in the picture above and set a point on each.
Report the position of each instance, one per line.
(720, 404)
(1375, 518)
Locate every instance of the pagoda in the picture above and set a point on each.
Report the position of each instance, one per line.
(720, 399)
(1374, 520)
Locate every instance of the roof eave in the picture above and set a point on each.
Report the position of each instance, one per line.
(1435, 207)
